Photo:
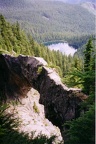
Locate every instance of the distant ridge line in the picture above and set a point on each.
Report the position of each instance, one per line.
(53, 42)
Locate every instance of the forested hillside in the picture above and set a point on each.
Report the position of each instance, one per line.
(14, 40)
(77, 1)
(74, 71)
(49, 20)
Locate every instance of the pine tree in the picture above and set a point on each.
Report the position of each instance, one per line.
(89, 68)
(82, 130)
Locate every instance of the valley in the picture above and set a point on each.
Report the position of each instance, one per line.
(47, 71)
(49, 20)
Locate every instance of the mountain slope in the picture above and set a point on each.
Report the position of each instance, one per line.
(12, 3)
(76, 1)
(49, 20)
(91, 7)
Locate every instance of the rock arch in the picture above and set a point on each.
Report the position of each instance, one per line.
(19, 74)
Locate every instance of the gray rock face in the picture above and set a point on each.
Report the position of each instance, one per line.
(32, 118)
(60, 103)
(19, 74)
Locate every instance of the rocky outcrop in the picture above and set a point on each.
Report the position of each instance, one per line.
(32, 118)
(19, 74)
(61, 102)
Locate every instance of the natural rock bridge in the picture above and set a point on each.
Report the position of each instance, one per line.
(19, 74)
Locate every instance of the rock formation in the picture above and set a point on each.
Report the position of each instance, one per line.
(32, 118)
(19, 74)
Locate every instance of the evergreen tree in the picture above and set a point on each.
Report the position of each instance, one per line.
(82, 130)
(89, 68)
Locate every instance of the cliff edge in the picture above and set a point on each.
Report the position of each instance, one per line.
(19, 74)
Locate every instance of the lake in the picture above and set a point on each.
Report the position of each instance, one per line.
(63, 47)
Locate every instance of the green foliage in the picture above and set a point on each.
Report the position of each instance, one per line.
(39, 69)
(4, 51)
(74, 79)
(7, 122)
(22, 44)
(49, 20)
(35, 108)
(89, 68)
(82, 73)
(82, 130)
(70, 68)
(9, 131)
(14, 41)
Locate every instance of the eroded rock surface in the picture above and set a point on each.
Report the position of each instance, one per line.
(32, 118)
(19, 74)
